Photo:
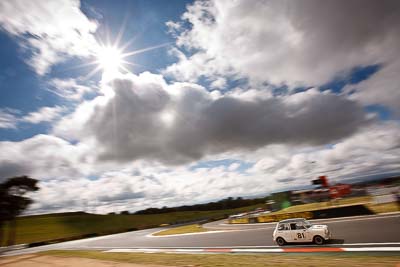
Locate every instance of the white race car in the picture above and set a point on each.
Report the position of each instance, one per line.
(300, 230)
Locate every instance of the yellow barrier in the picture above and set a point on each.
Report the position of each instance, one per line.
(239, 220)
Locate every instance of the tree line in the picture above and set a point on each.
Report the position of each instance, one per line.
(227, 203)
(13, 202)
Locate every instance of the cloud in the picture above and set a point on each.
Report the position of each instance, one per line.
(52, 29)
(219, 83)
(144, 118)
(285, 42)
(155, 187)
(44, 114)
(8, 118)
(382, 88)
(139, 143)
(65, 184)
(69, 88)
(373, 150)
(43, 157)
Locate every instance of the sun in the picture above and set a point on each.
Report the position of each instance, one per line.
(110, 59)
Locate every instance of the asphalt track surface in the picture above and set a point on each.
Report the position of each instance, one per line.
(377, 230)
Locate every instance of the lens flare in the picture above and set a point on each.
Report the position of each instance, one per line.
(110, 59)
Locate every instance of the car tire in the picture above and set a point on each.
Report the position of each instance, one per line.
(318, 240)
(280, 241)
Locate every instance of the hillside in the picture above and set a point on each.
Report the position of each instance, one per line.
(69, 225)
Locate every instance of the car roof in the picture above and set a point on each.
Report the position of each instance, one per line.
(292, 220)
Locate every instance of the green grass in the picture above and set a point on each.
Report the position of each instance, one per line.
(249, 260)
(192, 228)
(53, 226)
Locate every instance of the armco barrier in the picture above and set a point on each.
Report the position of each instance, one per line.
(14, 247)
(343, 211)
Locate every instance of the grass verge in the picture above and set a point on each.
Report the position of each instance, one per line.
(192, 228)
(54, 226)
(249, 260)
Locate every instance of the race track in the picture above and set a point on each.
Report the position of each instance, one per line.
(382, 230)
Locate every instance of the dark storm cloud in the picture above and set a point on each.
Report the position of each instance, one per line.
(146, 119)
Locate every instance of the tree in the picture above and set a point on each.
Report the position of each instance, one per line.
(13, 202)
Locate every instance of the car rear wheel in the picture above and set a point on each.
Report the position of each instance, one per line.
(318, 240)
(280, 241)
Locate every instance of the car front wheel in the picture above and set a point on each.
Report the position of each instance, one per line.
(280, 241)
(318, 240)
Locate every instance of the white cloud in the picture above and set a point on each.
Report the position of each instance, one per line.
(199, 64)
(382, 88)
(152, 187)
(43, 157)
(8, 118)
(44, 114)
(374, 150)
(52, 29)
(70, 88)
(219, 83)
(286, 42)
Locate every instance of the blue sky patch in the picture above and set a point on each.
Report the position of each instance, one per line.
(357, 75)
(244, 166)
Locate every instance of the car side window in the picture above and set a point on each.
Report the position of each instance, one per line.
(292, 226)
(283, 227)
(299, 226)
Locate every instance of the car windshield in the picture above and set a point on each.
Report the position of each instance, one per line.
(307, 224)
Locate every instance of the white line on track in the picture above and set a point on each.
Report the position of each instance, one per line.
(251, 247)
(372, 249)
(255, 250)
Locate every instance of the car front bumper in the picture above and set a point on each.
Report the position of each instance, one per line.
(328, 236)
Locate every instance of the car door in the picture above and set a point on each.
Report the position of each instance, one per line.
(299, 233)
(284, 232)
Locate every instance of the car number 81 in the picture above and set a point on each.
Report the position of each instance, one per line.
(300, 235)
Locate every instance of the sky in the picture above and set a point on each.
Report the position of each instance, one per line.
(125, 105)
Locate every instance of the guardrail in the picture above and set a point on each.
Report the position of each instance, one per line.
(14, 247)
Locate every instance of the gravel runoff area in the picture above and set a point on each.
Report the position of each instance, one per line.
(35, 260)
(100, 259)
